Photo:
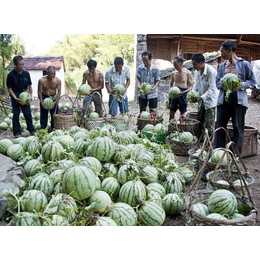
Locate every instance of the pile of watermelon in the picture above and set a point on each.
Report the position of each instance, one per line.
(100, 177)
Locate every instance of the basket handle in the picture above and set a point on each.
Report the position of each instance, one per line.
(101, 101)
(60, 99)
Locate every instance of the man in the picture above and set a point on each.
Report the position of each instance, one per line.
(205, 79)
(117, 74)
(148, 73)
(237, 103)
(19, 80)
(49, 86)
(181, 78)
(95, 80)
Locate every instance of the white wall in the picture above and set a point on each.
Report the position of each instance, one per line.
(37, 74)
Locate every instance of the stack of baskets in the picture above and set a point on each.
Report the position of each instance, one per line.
(65, 121)
(92, 123)
(242, 195)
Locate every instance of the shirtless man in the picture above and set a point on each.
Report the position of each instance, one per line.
(181, 78)
(95, 79)
(49, 85)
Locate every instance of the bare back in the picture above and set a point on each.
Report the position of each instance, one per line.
(49, 87)
(95, 79)
(182, 79)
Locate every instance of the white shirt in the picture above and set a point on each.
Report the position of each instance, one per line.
(205, 84)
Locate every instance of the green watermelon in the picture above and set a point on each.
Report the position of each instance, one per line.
(102, 201)
(51, 151)
(3, 126)
(111, 186)
(4, 145)
(47, 103)
(84, 89)
(174, 204)
(25, 98)
(25, 219)
(149, 174)
(105, 221)
(94, 115)
(108, 170)
(15, 151)
(157, 187)
(91, 162)
(201, 209)
(43, 183)
(216, 216)
(32, 167)
(173, 92)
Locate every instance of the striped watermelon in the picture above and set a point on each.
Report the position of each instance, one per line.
(98, 183)
(74, 129)
(103, 148)
(65, 164)
(186, 137)
(223, 202)
(57, 132)
(157, 187)
(19, 140)
(237, 216)
(63, 205)
(108, 130)
(51, 151)
(201, 209)
(127, 172)
(47, 103)
(84, 89)
(25, 98)
(122, 214)
(151, 214)
(28, 141)
(80, 147)
(216, 216)
(34, 148)
(111, 186)
(102, 201)
(79, 181)
(173, 92)
(4, 145)
(80, 134)
(121, 154)
(148, 128)
(94, 115)
(145, 158)
(91, 162)
(3, 126)
(135, 151)
(149, 174)
(56, 176)
(25, 219)
(33, 200)
(43, 183)
(57, 189)
(105, 221)
(155, 197)
(108, 170)
(239, 183)
(56, 220)
(187, 174)
(129, 191)
(172, 185)
(145, 115)
(32, 167)
(174, 204)
(215, 157)
(15, 151)
(123, 137)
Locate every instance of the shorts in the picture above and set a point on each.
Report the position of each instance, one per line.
(175, 104)
(113, 104)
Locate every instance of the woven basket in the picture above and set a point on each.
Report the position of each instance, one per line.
(194, 157)
(91, 123)
(119, 125)
(179, 147)
(64, 121)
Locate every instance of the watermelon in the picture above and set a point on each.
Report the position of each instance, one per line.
(201, 209)
(124, 137)
(122, 214)
(174, 91)
(32, 167)
(223, 202)
(56, 176)
(80, 135)
(47, 103)
(63, 205)
(145, 158)
(3, 126)
(222, 182)
(94, 115)
(237, 216)
(127, 173)
(151, 214)
(172, 184)
(108, 130)
(79, 181)
(130, 189)
(111, 186)
(55, 220)
(66, 141)
(193, 96)
(8, 121)
(157, 187)
(119, 89)
(51, 151)
(187, 174)
(216, 216)
(155, 197)
(148, 128)
(174, 204)
(43, 183)
(33, 200)
(34, 148)
(105, 221)
(15, 151)
(91, 162)
(230, 82)
(84, 89)
(80, 147)
(4, 145)
(145, 89)
(102, 148)
(25, 219)
(25, 98)
(102, 201)
(149, 174)
(37, 116)
(160, 129)
(186, 137)
(28, 140)
(108, 170)
(122, 153)
(238, 183)
(145, 115)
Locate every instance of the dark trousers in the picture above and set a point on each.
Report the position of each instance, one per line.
(44, 114)
(16, 114)
(237, 112)
(144, 101)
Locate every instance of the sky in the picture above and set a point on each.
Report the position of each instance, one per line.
(35, 45)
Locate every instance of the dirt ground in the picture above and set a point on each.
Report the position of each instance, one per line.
(252, 163)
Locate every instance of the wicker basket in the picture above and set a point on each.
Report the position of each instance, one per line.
(194, 157)
(91, 123)
(179, 147)
(203, 195)
(119, 125)
(65, 121)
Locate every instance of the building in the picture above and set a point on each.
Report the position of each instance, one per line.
(37, 67)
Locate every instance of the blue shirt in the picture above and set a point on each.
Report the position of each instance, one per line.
(151, 76)
(245, 72)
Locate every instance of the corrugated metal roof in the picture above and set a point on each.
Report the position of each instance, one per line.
(42, 62)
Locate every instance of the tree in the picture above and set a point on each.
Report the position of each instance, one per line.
(5, 52)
